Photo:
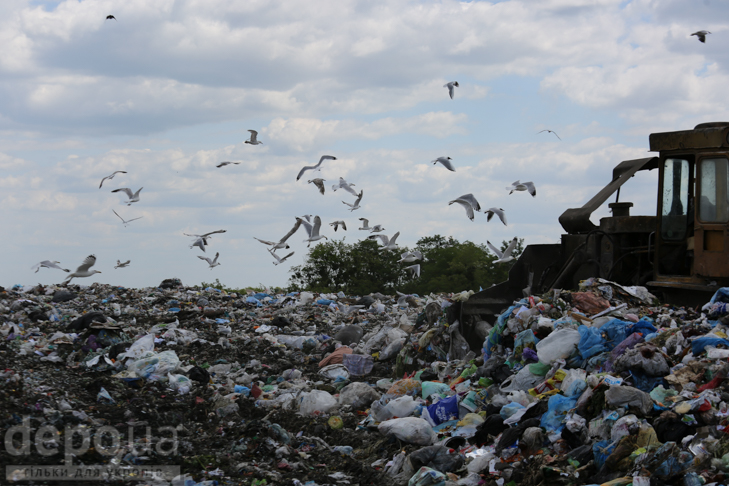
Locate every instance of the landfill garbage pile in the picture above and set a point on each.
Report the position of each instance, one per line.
(600, 386)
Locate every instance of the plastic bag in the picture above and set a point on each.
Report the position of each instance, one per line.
(317, 402)
(335, 372)
(559, 344)
(480, 463)
(358, 395)
(438, 457)
(427, 477)
(156, 366)
(444, 410)
(621, 396)
(403, 406)
(180, 383)
(510, 409)
(433, 387)
(141, 346)
(358, 364)
(524, 380)
(392, 349)
(409, 429)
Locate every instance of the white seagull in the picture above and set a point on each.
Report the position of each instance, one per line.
(133, 197)
(414, 270)
(110, 177)
(549, 131)
(48, 264)
(318, 182)
(223, 164)
(410, 256)
(254, 138)
(451, 86)
(446, 161)
(344, 185)
(377, 228)
(337, 224)
(701, 35)
(279, 259)
(387, 243)
(498, 212)
(84, 269)
(119, 264)
(213, 263)
(523, 186)
(201, 241)
(469, 202)
(314, 167)
(356, 205)
(127, 221)
(282, 242)
(365, 224)
(506, 255)
(313, 230)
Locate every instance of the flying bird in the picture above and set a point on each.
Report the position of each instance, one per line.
(223, 164)
(279, 259)
(313, 230)
(413, 270)
(318, 182)
(498, 212)
(469, 202)
(356, 205)
(213, 263)
(446, 161)
(48, 264)
(410, 256)
(282, 242)
(344, 185)
(504, 256)
(254, 138)
(387, 243)
(127, 221)
(365, 224)
(119, 264)
(337, 224)
(201, 241)
(314, 167)
(377, 228)
(701, 35)
(549, 131)
(451, 87)
(84, 270)
(523, 186)
(133, 197)
(110, 177)
(109, 17)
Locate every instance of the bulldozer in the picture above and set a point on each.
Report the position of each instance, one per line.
(681, 254)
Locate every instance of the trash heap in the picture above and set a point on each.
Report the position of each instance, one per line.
(600, 386)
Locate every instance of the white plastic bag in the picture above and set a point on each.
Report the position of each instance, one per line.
(141, 346)
(409, 429)
(180, 383)
(358, 395)
(335, 371)
(317, 402)
(559, 344)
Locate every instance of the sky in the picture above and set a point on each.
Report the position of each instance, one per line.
(169, 89)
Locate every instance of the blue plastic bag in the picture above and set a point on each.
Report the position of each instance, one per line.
(444, 410)
(591, 342)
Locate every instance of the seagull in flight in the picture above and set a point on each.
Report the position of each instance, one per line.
(127, 221)
(365, 224)
(549, 131)
(504, 256)
(279, 259)
(377, 228)
(314, 167)
(337, 224)
(701, 35)
(318, 182)
(109, 17)
(213, 263)
(133, 197)
(282, 242)
(48, 264)
(523, 186)
(498, 212)
(110, 177)
(254, 138)
(84, 270)
(119, 264)
(344, 185)
(469, 202)
(356, 205)
(451, 87)
(223, 164)
(201, 241)
(387, 243)
(410, 256)
(313, 231)
(413, 270)
(446, 161)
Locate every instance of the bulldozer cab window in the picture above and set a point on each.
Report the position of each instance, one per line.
(675, 199)
(713, 201)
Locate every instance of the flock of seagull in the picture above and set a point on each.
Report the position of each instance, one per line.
(312, 225)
